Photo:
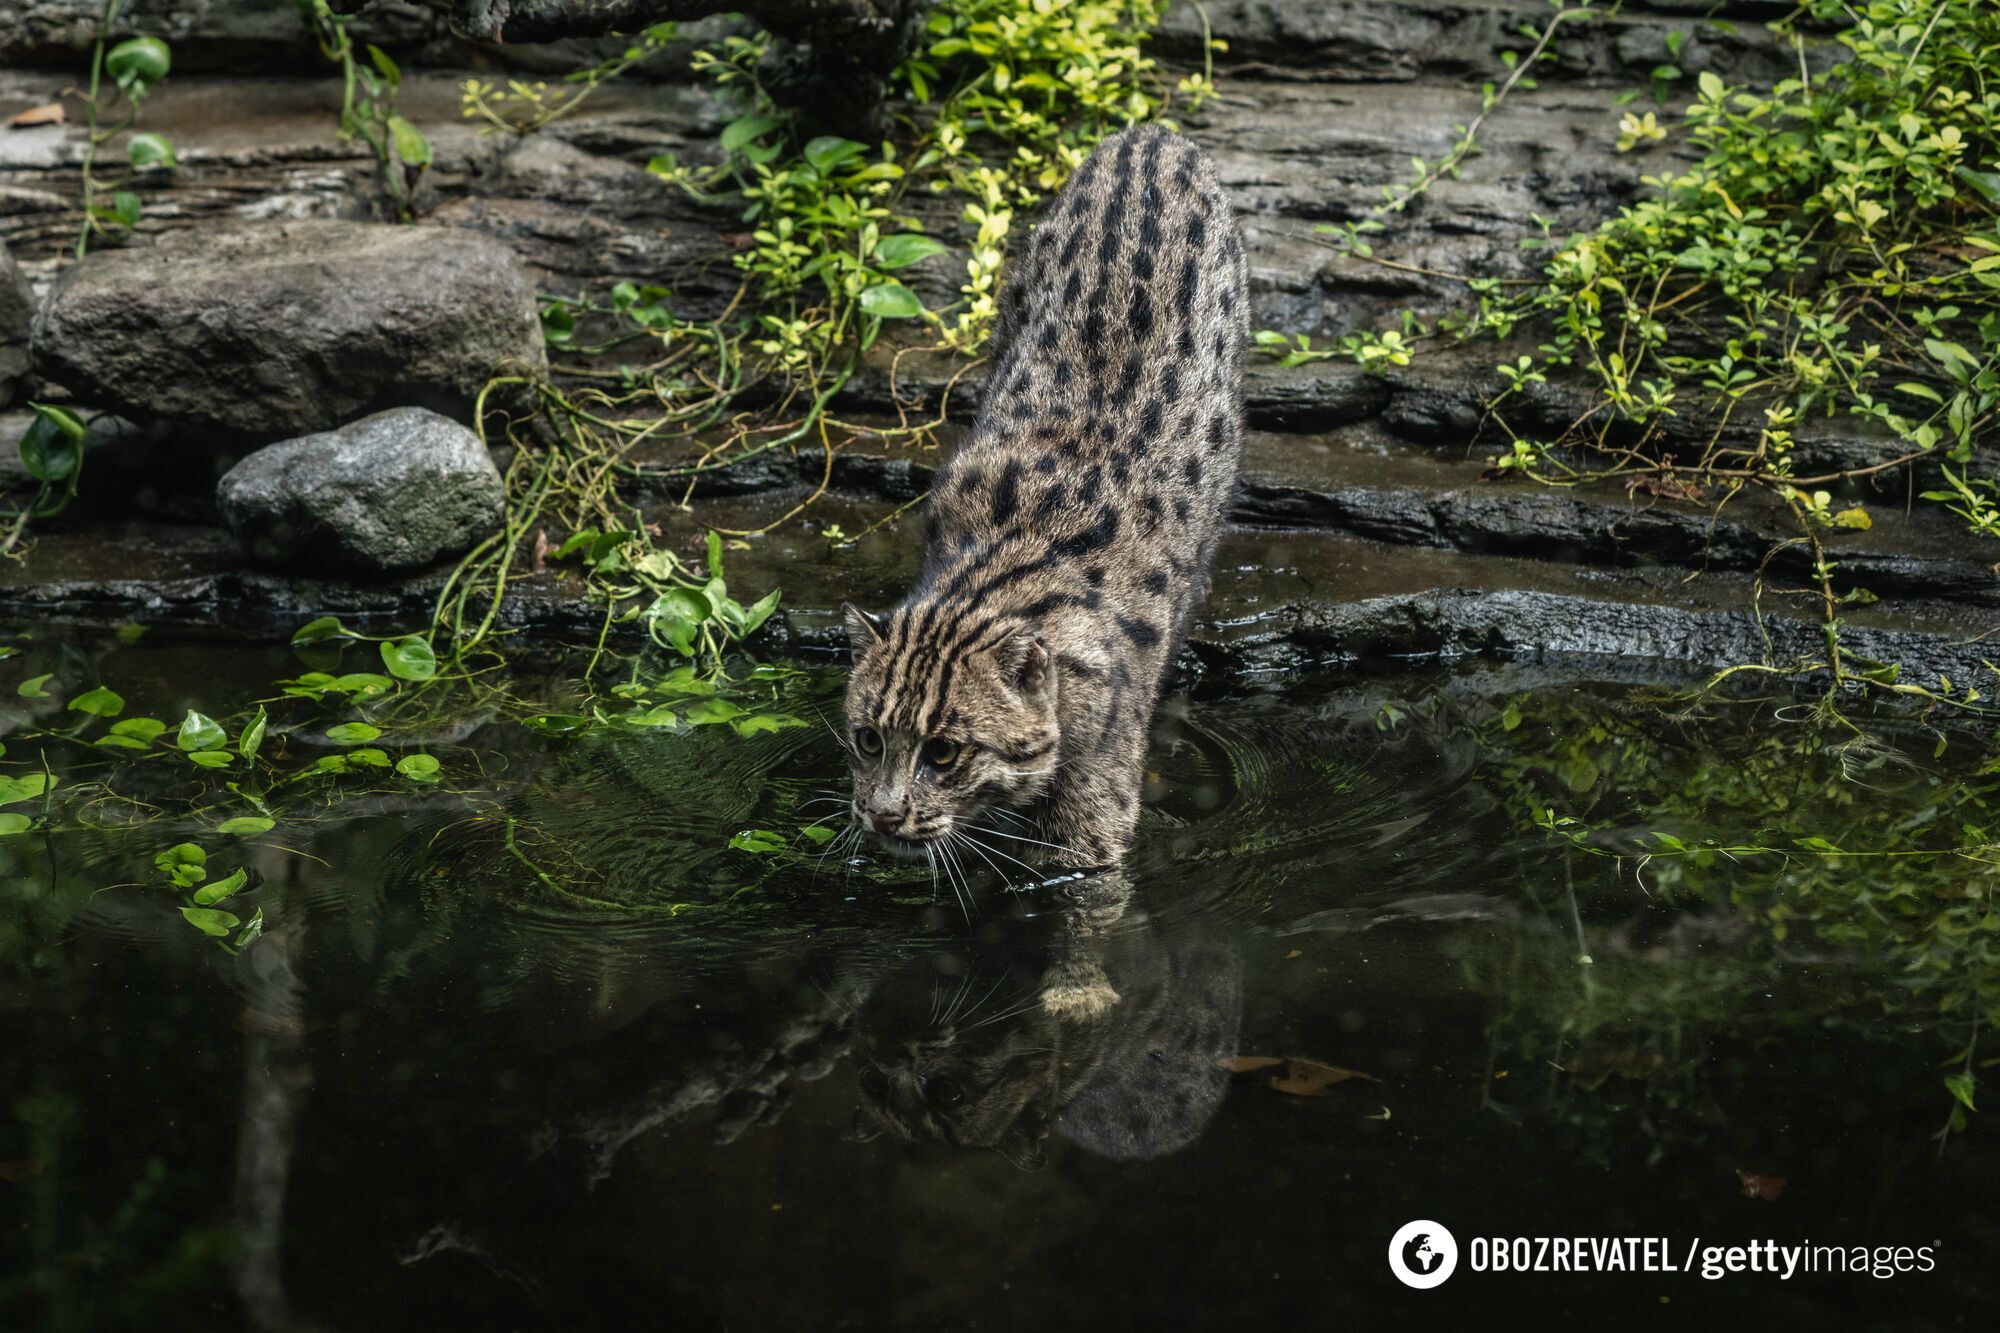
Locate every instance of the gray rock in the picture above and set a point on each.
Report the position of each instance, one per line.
(393, 491)
(260, 332)
(17, 311)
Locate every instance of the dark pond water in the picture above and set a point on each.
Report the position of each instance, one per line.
(536, 1046)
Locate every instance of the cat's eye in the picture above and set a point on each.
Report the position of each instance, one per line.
(868, 740)
(874, 1082)
(940, 753)
(944, 1092)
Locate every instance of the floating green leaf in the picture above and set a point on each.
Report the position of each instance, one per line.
(757, 841)
(99, 702)
(409, 658)
(185, 863)
(244, 826)
(210, 894)
(200, 732)
(211, 758)
(352, 733)
(11, 824)
(418, 767)
(139, 728)
(24, 788)
(210, 920)
(31, 688)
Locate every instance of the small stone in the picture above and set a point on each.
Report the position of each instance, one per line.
(265, 331)
(394, 491)
(17, 312)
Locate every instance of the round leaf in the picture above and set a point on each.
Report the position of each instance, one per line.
(352, 733)
(212, 758)
(138, 728)
(138, 62)
(409, 659)
(150, 150)
(418, 767)
(24, 788)
(11, 824)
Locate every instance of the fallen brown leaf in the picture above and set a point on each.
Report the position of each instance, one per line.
(1296, 953)
(49, 113)
(1294, 1076)
(1767, 1188)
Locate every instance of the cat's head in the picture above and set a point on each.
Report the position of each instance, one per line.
(947, 713)
(938, 1090)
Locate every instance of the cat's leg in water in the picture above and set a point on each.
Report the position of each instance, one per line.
(1076, 986)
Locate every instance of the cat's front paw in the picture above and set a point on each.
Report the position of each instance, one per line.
(1078, 991)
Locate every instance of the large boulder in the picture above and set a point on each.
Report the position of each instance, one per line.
(265, 331)
(394, 491)
(17, 311)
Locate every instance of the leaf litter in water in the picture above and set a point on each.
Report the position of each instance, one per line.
(1766, 1188)
(1293, 1075)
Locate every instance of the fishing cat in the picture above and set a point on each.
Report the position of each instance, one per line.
(1070, 534)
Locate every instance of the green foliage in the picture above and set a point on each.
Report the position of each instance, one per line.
(368, 107)
(52, 457)
(135, 66)
(523, 105)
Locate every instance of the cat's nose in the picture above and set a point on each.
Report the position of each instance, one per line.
(886, 821)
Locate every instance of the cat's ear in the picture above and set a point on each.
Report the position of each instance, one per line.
(1026, 1144)
(864, 628)
(1024, 661)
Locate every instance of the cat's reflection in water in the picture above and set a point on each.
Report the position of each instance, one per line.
(1106, 1031)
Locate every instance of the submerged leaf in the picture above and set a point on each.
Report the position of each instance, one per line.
(1294, 1076)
